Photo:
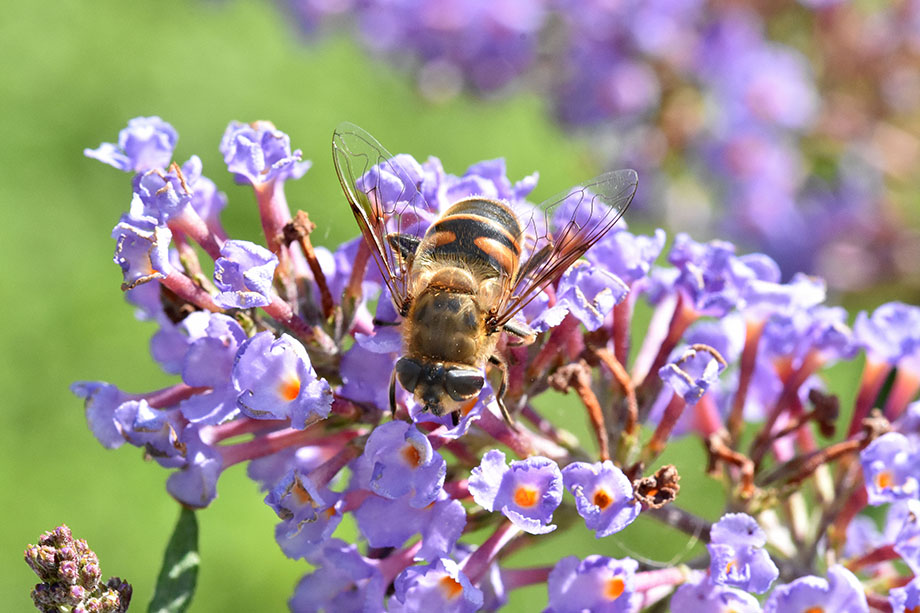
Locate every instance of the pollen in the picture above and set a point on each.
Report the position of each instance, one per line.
(412, 456)
(884, 480)
(525, 496)
(602, 499)
(912, 610)
(451, 587)
(814, 610)
(289, 389)
(613, 588)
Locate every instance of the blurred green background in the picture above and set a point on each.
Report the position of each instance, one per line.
(73, 74)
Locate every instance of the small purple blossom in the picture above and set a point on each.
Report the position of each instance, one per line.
(309, 514)
(440, 523)
(596, 583)
(626, 255)
(439, 586)
(275, 380)
(141, 250)
(891, 333)
(841, 592)
(101, 403)
(527, 492)
(706, 596)
(907, 542)
(890, 468)
(693, 373)
(195, 484)
(161, 195)
(905, 599)
(603, 496)
(738, 558)
(244, 275)
(147, 143)
(400, 461)
(587, 292)
(258, 153)
(344, 580)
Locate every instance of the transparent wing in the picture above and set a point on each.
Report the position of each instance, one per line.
(560, 230)
(384, 192)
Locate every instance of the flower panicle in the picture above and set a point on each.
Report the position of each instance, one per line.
(284, 365)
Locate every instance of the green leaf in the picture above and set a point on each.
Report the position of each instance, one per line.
(176, 583)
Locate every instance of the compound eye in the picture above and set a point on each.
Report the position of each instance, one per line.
(408, 372)
(463, 383)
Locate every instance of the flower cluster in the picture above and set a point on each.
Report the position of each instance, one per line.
(71, 579)
(721, 106)
(283, 365)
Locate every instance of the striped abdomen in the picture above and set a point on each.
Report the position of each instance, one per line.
(480, 233)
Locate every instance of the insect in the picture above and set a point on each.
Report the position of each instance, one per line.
(459, 276)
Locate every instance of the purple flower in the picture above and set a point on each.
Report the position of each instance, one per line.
(596, 583)
(439, 586)
(891, 333)
(841, 592)
(275, 380)
(259, 153)
(244, 275)
(905, 599)
(195, 484)
(907, 542)
(440, 523)
(603, 496)
(626, 255)
(693, 373)
(309, 514)
(890, 464)
(208, 362)
(587, 292)
(101, 403)
(344, 580)
(527, 493)
(159, 194)
(146, 143)
(737, 555)
(702, 595)
(399, 461)
(818, 329)
(711, 276)
(141, 250)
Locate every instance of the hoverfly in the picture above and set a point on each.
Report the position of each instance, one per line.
(459, 276)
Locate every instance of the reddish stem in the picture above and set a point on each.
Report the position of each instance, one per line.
(476, 565)
(873, 377)
(903, 391)
(753, 332)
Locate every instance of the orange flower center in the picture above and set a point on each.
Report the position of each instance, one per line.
(614, 588)
(411, 455)
(884, 480)
(289, 388)
(814, 610)
(602, 499)
(525, 496)
(912, 610)
(451, 587)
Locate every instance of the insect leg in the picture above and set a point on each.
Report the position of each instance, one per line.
(500, 396)
(520, 330)
(455, 418)
(380, 322)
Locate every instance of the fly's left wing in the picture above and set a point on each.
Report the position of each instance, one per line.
(384, 194)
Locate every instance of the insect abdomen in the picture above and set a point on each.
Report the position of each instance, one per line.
(475, 231)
